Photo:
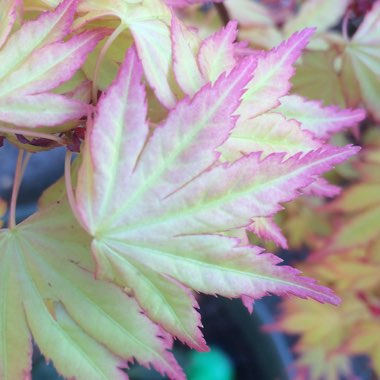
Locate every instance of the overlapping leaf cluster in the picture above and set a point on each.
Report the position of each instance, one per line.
(344, 236)
(338, 67)
(348, 260)
(106, 271)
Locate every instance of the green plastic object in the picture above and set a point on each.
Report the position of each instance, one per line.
(212, 365)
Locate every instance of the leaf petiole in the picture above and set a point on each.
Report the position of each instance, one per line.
(69, 187)
(21, 164)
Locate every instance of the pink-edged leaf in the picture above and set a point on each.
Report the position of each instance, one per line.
(8, 13)
(179, 149)
(53, 64)
(185, 44)
(217, 52)
(273, 72)
(127, 131)
(268, 133)
(41, 110)
(159, 200)
(185, 143)
(322, 188)
(214, 264)
(250, 187)
(48, 28)
(321, 121)
(268, 230)
(165, 300)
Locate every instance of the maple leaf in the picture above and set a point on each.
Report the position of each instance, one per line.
(360, 69)
(320, 345)
(49, 291)
(306, 126)
(155, 209)
(346, 70)
(149, 23)
(34, 60)
(309, 124)
(348, 260)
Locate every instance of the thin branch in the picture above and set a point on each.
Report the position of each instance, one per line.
(15, 189)
(30, 133)
(223, 13)
(99, 61)
(346, 19)
(69, 188)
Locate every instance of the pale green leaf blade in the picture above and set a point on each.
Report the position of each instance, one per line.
(322, 14)
(15, 338)
(165, 300)
(101, 328)
(361, 58)
(153, 44)
(185, 45)
(214, 264)
(316, 78)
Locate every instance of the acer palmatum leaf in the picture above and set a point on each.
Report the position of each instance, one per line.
(35, 60)
(308, 124)
(360, 71)
(156, 215)
(149, 23)
(88, 328)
